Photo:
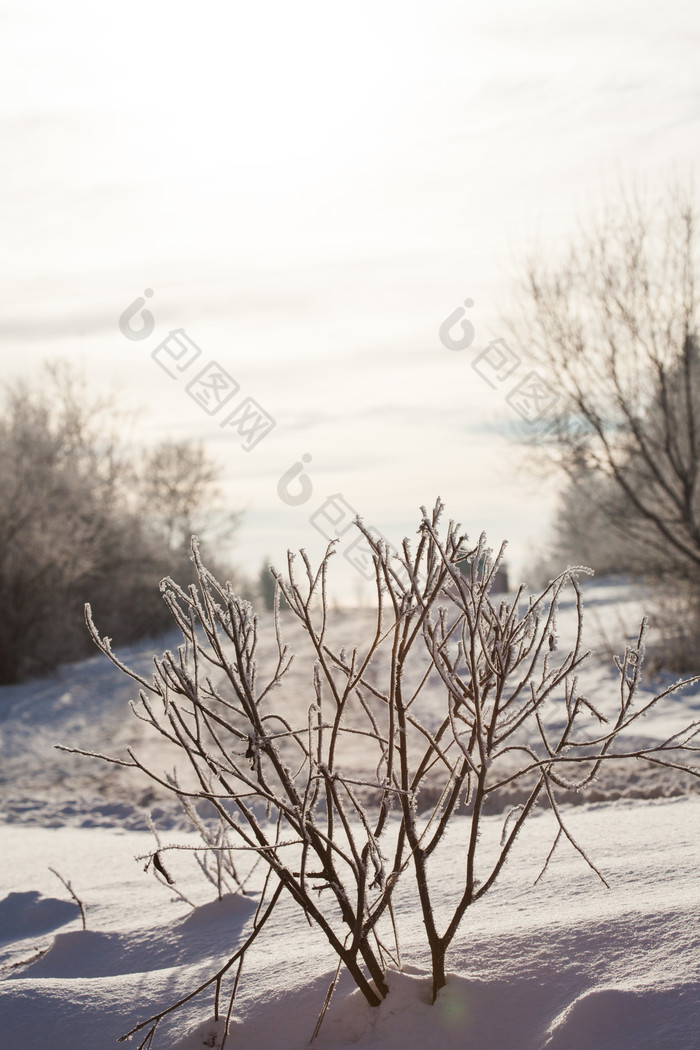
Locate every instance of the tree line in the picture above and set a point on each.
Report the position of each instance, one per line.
(84, 517)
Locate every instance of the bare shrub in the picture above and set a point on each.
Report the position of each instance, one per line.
(455, 698)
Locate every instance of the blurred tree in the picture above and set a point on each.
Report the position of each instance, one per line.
(613, 327)
(73, 527)
(266, 585)
(178, 486)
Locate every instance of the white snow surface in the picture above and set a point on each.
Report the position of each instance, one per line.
(563, 964)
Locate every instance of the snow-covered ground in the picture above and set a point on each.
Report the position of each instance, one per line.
(565, 964)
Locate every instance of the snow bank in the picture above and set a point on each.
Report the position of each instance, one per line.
(563, 965)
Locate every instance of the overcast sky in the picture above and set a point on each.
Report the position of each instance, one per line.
(309, 190)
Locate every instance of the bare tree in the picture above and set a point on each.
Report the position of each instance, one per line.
(71, 527)
(179, 487)
(613, 326)
(59, 470)
(455, 699)
(266, 585)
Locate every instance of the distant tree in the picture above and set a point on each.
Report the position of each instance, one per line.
(266, 585)
(178, 487)
(613, 327)
(582, 532)
(73, 527)
(58, 477)
(499, 580)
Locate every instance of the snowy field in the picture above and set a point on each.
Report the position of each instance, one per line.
(565, 964)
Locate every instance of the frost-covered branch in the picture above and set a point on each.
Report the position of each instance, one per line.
(458, 698)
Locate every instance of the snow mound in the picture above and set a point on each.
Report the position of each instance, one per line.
(28, 914)
(627, 1019)
(206, 1036)
(199, 936)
